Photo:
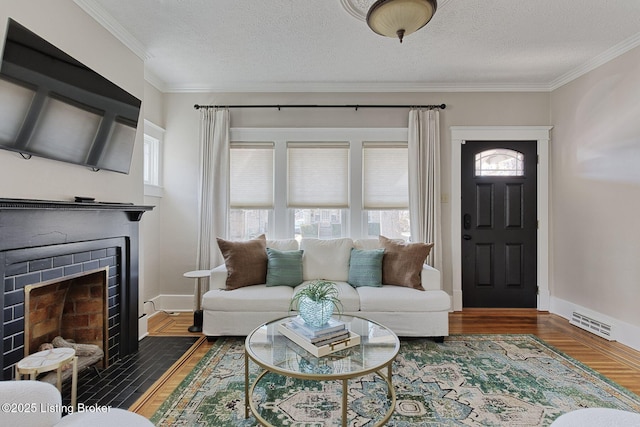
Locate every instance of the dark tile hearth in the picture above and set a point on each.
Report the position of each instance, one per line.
(125, 381)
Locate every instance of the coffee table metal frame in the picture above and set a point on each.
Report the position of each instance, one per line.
(386, 361)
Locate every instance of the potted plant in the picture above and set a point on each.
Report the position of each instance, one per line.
(316, 302)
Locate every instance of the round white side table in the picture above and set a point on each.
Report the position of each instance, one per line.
(49, 360)
(197, 314)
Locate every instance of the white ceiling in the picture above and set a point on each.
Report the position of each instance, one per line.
(325, 45)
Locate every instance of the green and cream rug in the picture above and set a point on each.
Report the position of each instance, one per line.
(469, 380)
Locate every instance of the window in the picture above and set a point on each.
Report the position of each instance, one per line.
(250, 189)
(151, 148)
(318, 175)
(245, 224)
(385, 191)
(153, 138)
(318, 188)
(319, 183)
(385, 175)
(499, 162)
(393, 224)
(319, 223)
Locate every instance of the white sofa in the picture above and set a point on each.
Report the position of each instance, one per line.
(407, 311)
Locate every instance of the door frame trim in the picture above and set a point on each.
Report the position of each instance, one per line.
(460, 135)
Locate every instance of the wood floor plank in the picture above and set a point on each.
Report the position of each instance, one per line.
(615, 361)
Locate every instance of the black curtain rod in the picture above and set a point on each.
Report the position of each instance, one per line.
(279, 107)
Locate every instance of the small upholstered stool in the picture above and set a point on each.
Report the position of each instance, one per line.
(45, 409)
(110, 418)
(598, 417)
(37, 395)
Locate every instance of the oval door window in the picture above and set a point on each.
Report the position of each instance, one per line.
(499, 162)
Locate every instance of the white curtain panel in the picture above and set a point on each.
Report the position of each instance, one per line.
(424, 181)
(214, 185)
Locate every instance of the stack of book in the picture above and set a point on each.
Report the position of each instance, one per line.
(332, 336)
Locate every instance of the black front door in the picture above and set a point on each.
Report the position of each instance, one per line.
(499, 224)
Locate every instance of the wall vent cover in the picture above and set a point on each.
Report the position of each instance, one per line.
(597, 327)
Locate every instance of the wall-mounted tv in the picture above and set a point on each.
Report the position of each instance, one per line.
(53, 106)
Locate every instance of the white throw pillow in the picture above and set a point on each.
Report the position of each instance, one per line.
(367, 244)
(283, 244)
(326, 259)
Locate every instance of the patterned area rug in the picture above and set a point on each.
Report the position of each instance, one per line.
(469, 380)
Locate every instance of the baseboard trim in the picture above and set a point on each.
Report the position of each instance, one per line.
(623, 332)
(169, 303)
(457, 300)
(143, 329)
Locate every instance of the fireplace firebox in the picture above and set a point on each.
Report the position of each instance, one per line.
(73, 307)
(69, 244)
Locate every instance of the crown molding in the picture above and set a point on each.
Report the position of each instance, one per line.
(155, 81)
(358, 87)
(103, 18)
(608, 55)
(93, 9)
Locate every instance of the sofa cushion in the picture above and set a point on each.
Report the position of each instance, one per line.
(284, 267)
(246, 261)
(367, 244)
(401, 299)
(402, 262)
(326, 259)
(283, 244)
(346, 293)
(251, 298)
(365, 267)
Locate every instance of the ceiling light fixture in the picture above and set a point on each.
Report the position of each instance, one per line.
(399, 18)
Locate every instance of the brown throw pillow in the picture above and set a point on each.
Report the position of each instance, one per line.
(402, 262)
(246, 261)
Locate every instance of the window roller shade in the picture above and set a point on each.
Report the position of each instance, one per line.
(318, 175)
(385, 176)
(251, 178)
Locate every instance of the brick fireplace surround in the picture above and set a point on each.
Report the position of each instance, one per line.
(46, 241)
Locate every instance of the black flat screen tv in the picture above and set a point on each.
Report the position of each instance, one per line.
(53, 106)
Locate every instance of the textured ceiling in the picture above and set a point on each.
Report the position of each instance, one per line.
(324, 45)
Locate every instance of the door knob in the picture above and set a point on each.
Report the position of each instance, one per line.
(466, 237)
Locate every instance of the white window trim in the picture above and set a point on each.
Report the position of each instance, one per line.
(463, 134)
(156, 132)
(283, 225)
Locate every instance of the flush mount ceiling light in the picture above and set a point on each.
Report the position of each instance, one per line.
(399, 18)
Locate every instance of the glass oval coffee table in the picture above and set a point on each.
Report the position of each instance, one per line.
(276, 353)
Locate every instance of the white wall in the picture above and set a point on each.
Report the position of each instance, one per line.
(150, 228)
(595, 153)
(595, 160)
(65, 25)
(180, 204)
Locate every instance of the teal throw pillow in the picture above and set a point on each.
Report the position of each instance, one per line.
(284, 267)
(365, 268)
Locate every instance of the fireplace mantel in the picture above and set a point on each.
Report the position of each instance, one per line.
(41, 240)
(133, 211)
